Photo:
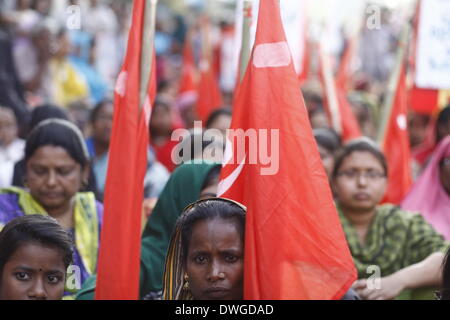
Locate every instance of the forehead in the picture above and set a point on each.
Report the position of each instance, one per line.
(48, 155)
(362, 160)
(37, 257)
(215, 233)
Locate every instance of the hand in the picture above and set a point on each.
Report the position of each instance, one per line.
(386, 289)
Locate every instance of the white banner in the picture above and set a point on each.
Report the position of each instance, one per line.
(433, 46)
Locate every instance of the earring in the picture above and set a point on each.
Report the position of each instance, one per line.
(186, 282)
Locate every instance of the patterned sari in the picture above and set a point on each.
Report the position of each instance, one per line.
(395, 240)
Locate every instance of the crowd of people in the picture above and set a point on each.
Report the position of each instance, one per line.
(56, 118)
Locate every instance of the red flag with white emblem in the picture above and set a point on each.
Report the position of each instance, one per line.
(294, 244)
(119, 255)
(396, 145)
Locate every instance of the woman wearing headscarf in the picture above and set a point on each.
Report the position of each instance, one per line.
(57, 167)
(185, 276)
(431, 193)
(188, 183)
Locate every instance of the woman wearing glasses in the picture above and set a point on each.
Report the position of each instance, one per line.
(394, 251)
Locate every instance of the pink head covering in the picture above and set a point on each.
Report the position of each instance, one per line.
(428, 195)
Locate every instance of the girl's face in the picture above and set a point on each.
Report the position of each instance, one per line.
(33, 272)
(361, 182)
(54, 177)
(215, 260)
(445, 174)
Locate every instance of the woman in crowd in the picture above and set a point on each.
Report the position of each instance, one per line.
(393, 250)
(35, 252)
(57, 167)
(430, 195)
(188, 183)
(328, 142)
(205, 260)
(11, 146)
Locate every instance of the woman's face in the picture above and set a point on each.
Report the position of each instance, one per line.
(215, 260)
(102, 126)
(54, 177)
(445, 174)
(361, 182)
(327, 160)
(33, 272)
(8, 126)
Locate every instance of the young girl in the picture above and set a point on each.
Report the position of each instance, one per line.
(35, 253)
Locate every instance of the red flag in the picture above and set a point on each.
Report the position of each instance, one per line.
(187, 92)
(119, 256)
(396, 145)
(209, 95)
(338, 108)
(350, 125)
(294, 244)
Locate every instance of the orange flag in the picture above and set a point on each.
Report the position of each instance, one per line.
(396, 145)
(119, 256)
(294, 244)
(209, 95)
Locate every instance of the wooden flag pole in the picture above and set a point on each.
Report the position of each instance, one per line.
(147, 48)
(245, 46)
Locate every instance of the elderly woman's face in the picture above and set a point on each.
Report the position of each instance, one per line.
(215, 260)
(445, 174)
(54, 177)
(361, 182)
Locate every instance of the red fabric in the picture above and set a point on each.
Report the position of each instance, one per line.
(396, 146)
(119, 255)
(424, 100)
(294, 244)
(164, 154)
(188, 85)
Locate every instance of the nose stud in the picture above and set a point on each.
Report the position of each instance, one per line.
(222, 275)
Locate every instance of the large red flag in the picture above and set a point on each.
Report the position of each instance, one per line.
(119, 256)
(294, 244)
(396, 145)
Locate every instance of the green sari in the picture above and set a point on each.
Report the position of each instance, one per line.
(183, 188)
(395, 240)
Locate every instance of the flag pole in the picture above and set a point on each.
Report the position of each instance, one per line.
(147, 48)
(393, 83)
(245, 46)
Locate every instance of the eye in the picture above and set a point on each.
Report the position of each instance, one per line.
(65, 171)
(231, 258)
(54, 279)
(22, 276)
(200, 259)
(39, 171)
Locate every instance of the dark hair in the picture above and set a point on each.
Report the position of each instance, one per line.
(208, 210)
(59, 133)
(38, 229)
(216, 114)
(362, 145)
(98, 107)
(445, 287)
(45, 112)
(443, 120)
(328, 139)
(212, 176)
